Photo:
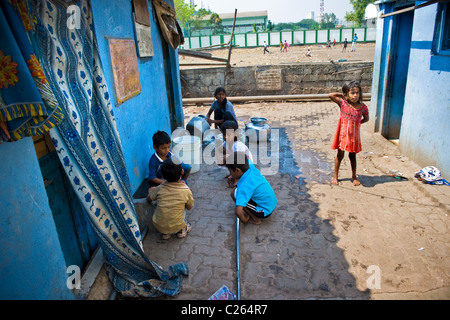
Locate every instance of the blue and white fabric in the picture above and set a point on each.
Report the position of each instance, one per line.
(88, 145)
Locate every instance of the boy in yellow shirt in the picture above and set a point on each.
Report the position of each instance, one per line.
(173, 197)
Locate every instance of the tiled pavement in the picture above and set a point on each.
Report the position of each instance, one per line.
(323, 241)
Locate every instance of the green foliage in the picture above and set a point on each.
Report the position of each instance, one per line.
(328, 21)
(184, 13)
(188, 17)
(359, 8)
(308, 24)
(215, 22)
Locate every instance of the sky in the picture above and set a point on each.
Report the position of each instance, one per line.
(278, 10)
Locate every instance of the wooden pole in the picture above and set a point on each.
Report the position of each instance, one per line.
(231, 39)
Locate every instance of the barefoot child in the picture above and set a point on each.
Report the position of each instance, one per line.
(222, 108)
(347, 137)
(231, 144)
(230, 140)
(254, 197)
(173, 197)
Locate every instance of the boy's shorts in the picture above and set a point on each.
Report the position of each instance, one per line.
(251, 206)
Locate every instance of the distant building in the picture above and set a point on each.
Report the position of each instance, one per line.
(310, 15)
(245, 22)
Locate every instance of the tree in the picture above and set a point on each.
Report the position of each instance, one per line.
(328, 21)
(215, 22)
(197, 22)
(309, 24)
(184, 13)
(359, 8)
(190, 19)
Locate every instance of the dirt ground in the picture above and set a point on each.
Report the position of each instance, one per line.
(241, 57)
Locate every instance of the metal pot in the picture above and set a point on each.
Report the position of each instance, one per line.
(257, 126)
(258, 121)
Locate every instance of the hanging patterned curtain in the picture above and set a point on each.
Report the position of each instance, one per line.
(27, 104)
(88, 144)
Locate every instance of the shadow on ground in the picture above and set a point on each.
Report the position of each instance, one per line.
(291, 255)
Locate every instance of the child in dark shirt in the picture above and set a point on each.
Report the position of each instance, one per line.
(161, 145)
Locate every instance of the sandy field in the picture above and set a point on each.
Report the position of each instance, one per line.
(241, 57)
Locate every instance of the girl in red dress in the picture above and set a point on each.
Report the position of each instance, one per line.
(347, 137)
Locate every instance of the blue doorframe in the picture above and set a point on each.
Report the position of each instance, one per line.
(400, 48)
(76, 237)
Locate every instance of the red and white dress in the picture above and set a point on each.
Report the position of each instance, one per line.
(347, 136)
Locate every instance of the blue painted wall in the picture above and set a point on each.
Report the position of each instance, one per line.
(141, 116)
(426, 118)
(426, 112)
(32, 264)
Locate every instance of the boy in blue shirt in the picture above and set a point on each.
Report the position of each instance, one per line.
(254, 197)
(161, 145)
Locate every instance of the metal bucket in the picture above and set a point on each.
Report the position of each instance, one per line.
(259, 127)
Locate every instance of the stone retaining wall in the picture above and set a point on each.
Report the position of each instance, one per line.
(301, 78)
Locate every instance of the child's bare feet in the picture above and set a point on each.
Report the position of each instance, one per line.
(335, 181)
(253, 219)
(165, 236)
(231, 182)
(356, 182)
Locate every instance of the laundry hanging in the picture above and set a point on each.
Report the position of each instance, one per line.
(27, 104)
(88, 145)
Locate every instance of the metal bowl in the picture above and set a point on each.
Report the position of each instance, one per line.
(258, 121)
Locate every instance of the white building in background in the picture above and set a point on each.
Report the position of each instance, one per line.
(310, 15)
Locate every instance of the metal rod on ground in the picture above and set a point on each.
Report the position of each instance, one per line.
(238, 268)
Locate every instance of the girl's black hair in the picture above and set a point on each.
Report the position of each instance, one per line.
(219, 89)
(229, 125)
(224, 102)
(352, 84)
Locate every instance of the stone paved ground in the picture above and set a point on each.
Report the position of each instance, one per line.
(323, 241)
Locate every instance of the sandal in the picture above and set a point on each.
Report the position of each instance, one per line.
(183, 233)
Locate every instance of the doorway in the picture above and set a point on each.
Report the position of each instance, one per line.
(169, 85)
(77, 239)
(398, 74)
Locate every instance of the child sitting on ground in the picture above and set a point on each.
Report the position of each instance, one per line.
(161, 145)
(254, 197)
(230, 140)
(222, 108)
(231, 144)
(173, 197)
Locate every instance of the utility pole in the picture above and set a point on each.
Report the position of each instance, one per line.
(321, 14)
